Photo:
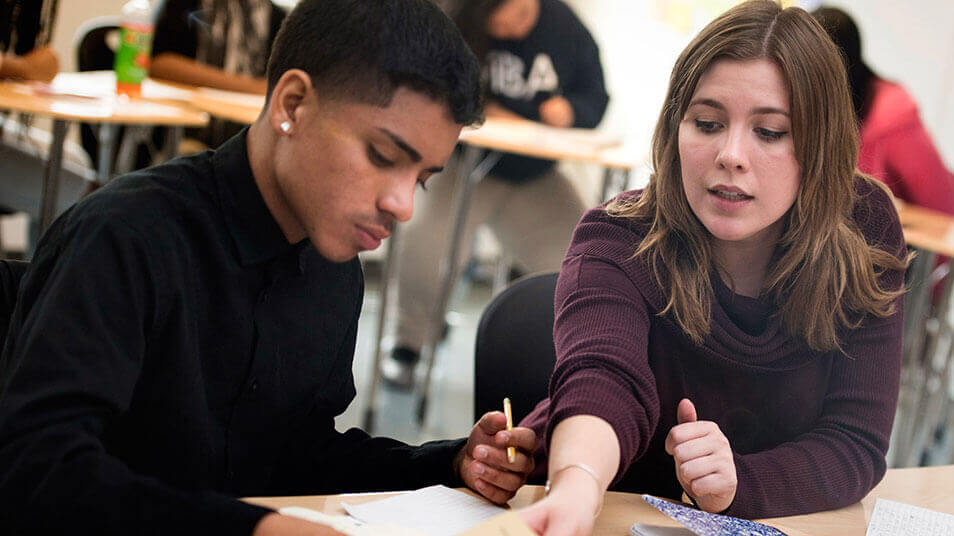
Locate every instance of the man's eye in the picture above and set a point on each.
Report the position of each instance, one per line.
(377, 158)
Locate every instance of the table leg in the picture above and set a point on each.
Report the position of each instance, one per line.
(173, 138)
(386, 275)
(933, 391)
(917, 306)
(51, 177)
(471, 173)
(107, 142)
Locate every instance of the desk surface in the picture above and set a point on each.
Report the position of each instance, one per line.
(97, 106)
(927, 229)
(510, 135)
(928, 487)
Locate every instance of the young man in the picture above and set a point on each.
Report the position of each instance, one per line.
(184, 335)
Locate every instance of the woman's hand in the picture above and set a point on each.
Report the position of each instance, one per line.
(705, 465)
(571, 507)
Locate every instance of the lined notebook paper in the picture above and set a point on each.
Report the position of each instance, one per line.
(435, 511)
(890, 518)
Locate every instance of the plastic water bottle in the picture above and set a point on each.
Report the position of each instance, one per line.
(135, 47)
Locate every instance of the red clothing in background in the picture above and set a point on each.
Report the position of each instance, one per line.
(897, 150)
(809, 429)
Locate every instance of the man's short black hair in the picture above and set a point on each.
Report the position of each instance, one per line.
(366, 49)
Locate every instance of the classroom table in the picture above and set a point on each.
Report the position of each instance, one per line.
(927, 487)
(69, 98)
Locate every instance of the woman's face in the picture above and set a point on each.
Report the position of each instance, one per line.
(739, 170)
(513, 19)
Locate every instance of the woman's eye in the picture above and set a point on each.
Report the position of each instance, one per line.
(707, 127)
(377, 158)
(770, 135)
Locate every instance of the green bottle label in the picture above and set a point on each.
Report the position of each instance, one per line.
(132, 58)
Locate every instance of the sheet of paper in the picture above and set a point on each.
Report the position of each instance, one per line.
(509, 524)
(706, 524)
(890, 518)
(345, 524)
(435, 511)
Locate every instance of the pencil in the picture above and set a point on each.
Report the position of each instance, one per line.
(511, 452)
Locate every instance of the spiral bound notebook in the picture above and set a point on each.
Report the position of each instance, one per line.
(703, 523)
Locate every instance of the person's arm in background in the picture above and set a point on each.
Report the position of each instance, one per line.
(38, 64)
(174, 49)
(583, 100)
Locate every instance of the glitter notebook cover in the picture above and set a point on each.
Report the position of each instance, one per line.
(706, 524)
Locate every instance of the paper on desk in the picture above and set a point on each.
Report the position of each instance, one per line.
(345, 524)
(890, 518)
(435, 511)
(509, 524)
(246, 100)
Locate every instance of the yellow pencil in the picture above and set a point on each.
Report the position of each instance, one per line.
(511, 452)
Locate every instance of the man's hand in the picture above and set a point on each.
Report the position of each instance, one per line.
(557, 112)
(483, 465)
(277, 524)
(705, 465)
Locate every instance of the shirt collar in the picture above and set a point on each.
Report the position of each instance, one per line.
(254, 230)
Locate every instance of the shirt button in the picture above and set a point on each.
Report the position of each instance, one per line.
(253, 386)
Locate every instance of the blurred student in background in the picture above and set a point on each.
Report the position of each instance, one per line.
(733, 331)
(222, 44)
(895, 146)
(540, 63)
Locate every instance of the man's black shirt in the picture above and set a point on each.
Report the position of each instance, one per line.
(171, 350)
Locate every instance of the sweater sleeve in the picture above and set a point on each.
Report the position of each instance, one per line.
(601, 332)
(839, 461)
(911, 156)
(587, 90)
(61, 394)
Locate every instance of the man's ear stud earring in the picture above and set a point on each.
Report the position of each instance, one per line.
(285, 126)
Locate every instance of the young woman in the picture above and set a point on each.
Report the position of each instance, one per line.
(732, 332)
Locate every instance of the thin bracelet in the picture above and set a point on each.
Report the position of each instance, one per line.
(589, 470)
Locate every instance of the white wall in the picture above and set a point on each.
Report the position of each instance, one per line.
(910, 42)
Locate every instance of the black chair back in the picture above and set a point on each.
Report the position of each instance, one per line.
(514, 354)
(10, 274)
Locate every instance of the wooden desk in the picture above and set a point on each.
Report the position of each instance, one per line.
(928, 487)
(102, 107)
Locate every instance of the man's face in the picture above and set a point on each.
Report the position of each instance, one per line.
(350, 169)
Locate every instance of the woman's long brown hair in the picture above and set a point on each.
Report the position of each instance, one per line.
(824, 275)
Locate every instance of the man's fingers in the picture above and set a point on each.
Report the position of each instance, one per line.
(491, 492)
(505, 480)
(492, 422)
(522, 438)
(686, 411)
(497, 457)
